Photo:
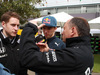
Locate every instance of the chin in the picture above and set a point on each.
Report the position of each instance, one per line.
(13, 35)
(64, 41)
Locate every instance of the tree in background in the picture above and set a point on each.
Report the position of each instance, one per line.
(25, 8)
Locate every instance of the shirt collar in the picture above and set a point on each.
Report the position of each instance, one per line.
(11, 40)
(50, 39)
(3, 35)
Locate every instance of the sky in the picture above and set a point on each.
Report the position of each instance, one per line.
(50, 3)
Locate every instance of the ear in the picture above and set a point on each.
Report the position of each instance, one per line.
(73, 31)
(3, 23)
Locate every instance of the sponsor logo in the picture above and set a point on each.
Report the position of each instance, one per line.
(47, 55)
(54, 56)
(2, 50)
(46, 21)
(1, 56)
(57, 43)
(88, 72)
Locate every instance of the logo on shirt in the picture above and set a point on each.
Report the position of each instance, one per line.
(54, 58)
(2, 50)
(47, 55)
(57, 43)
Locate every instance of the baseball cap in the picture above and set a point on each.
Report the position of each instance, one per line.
(49, 21)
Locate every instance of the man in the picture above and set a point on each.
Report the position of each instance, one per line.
(49, 33)
(9, 42)
(75, 59)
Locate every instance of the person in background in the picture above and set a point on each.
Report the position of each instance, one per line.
(75, 59)
(9, 43)
(39, 37)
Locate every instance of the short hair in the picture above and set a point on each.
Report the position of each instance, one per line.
(6, 16)
(82, 26)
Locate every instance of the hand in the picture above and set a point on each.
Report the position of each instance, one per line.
(43, 47)
(40, 26)
(33, 22)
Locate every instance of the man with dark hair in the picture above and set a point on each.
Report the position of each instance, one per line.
(9, 42)
(49, 28)
(81, 26)
(75, 59)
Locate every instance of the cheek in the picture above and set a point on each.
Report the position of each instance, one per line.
(64, 33)
(44, 31)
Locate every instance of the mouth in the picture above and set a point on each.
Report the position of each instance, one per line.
(46, 34)
(15, 32)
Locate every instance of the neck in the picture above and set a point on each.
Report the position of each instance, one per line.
(5, 35)
(50, 37)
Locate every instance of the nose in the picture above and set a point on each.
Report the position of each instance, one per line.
(16, 27)
(46, 31)
(62, 33)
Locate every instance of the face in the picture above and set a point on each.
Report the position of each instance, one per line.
(49, 31)
(67, 31)
(10, 28)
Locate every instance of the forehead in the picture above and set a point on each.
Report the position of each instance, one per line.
(48, 27)
(66, 24)
(12, 19)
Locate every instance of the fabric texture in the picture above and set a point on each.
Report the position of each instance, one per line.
(49, 21)
(75, 59)
(9, 54)
(4, 71)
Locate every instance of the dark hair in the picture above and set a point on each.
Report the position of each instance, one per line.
(6, 16)
(82, 26)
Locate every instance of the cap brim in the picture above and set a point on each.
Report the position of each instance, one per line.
(49, 25)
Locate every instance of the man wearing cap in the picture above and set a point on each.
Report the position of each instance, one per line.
(50, 25)
(49, 33)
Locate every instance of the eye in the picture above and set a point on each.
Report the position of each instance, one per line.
(17, 25)
(43, 27)
(49, 28)
(13, 25)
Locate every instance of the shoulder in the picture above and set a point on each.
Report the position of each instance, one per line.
(58, 40)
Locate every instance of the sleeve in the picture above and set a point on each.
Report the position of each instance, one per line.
(32, 58)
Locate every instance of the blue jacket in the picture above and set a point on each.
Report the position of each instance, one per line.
(55, 43)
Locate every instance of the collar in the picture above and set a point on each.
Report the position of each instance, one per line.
(11, 40)
(78, 41)
(3, 35)
(6, 39)
(50, 39)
